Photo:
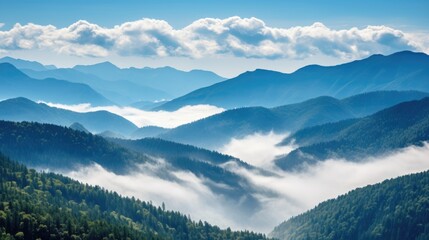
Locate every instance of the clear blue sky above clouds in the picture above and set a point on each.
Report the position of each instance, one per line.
(407, 16)
(279, 13)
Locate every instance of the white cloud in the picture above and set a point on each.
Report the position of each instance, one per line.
(234, 36)
(142, 118)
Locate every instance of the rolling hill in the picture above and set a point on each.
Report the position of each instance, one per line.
(394, 209)
(397, 127)
(399, 71)
(14, 83)
(216, 130)
(22, 109)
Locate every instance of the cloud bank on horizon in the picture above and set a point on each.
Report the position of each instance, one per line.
(233, 36)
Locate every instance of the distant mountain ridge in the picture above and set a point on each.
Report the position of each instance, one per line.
(121, 91)
(124, 85)
(172, 81)
(25, 64)
(14, 83)
(22, 109)
(393, 128)
(399, 71)
(216, 130)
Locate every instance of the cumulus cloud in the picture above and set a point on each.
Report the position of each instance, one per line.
(234, 36)
(142, 118)
(280, 194)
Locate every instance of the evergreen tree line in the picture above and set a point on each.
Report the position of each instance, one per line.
(395, 209)
(37, 205)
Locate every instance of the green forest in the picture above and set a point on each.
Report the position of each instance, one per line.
(37, 205)
(395, 209)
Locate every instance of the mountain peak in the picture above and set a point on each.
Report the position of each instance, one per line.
(26, 64)
(100, 66)
(8, 70)
(20, 100)
(106, 64)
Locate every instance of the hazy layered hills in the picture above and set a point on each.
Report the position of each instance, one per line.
(56, 148)
(37, 205)
(121, 92)
(167, 79)
(394, 209)
(14, 83)
(123, 85)
(22, 109)
(48, 146)
(397, 127)
(25, 64)
(399, 71)
(214, 131)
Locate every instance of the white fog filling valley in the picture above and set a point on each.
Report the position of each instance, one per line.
(280, 195)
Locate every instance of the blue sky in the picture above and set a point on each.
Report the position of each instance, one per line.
(408, 17)
(335, 13)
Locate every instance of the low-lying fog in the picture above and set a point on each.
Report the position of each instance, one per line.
(281, 194)
(143, 118)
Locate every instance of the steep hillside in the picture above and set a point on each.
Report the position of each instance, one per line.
(53, 147)
(397, 127)
(49, 206)
(394, 209)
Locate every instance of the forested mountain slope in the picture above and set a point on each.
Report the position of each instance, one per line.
(395, 209)
(49, 206)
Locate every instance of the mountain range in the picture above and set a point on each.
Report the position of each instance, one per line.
(123, 86)
(14, 83)
(168, 79)
(22, 109)
(396, 127)
(217, 130)
(399, 71)
(61, 149)
(355, 112)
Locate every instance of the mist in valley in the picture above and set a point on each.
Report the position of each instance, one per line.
(142, 118)
(280, 195)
